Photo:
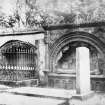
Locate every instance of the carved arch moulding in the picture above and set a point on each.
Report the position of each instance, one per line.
(66, 39)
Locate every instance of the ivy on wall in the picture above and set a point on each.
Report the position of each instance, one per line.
(33, 14)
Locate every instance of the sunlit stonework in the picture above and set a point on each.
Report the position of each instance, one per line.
(53, 48)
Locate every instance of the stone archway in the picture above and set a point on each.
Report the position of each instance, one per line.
(69, 80)
(73, 37)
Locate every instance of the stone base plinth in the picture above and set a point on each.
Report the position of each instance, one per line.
(84, 96)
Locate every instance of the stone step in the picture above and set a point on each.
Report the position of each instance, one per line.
(43, 92)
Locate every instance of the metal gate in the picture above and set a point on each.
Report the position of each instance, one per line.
(18, 61)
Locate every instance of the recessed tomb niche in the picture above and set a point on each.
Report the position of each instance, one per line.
(66, 58)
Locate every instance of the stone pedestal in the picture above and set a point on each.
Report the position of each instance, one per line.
(82, 71)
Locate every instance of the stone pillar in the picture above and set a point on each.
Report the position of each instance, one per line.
(82, 70)
(42, 54)
(43, 78)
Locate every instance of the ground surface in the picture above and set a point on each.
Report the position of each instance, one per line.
(9, 98)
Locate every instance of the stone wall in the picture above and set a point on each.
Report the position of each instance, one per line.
(35, 13)
(69, 82)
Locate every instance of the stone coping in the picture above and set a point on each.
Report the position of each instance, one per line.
(22, 33)
(72, 75)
